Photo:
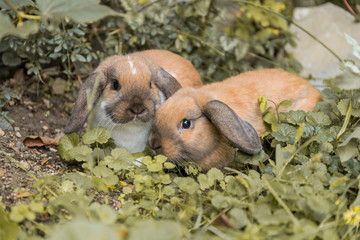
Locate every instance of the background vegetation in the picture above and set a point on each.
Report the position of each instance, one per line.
(304, 186)
(221, 38)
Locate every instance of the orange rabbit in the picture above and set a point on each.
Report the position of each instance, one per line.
(207, 124)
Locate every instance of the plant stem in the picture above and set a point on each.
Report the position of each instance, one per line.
(298, 150)
(349, 7)
(276, 109)
(20, 15)
(291, 21)
(147, 5)
(24, 15)
(281, 202)
(203, 27)
(264, 59)
(11, 6)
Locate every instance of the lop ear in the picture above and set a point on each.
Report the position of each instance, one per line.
(239, 132)
(166, 83)
(92, 87)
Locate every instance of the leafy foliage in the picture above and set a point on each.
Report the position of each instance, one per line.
(305, 186)
(219, 38)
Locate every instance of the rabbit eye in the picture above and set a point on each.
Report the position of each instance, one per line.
(150, 84)
(186, 124)
(116, 85)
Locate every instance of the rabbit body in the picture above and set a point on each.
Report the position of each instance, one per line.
(126, 92)
(241, 93)
(207, 124)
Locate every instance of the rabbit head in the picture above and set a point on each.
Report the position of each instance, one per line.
(207, 124)
(129, 88)
(194, 126)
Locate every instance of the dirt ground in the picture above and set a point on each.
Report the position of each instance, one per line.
(38, 112)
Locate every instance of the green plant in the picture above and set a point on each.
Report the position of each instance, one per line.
(305, 186)
(75, 36)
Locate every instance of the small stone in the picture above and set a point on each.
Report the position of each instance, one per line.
(31, 115)
(5, 125)
(53, 150)
(21, 146)
(44, 155)
(17, 129)
(45, 128)
(47, 102)
(26, 165)
(28, 102)
(59, 135)
(30, 107)
(18, 134)
(2, 133)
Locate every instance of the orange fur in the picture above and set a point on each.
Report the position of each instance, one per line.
(204, 144)
(242, 91)
(182, 69)
(179, 67)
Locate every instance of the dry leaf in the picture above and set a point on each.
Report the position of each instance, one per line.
(24, 194)
(1, 173)
(44, 161)
(223, 221)
(38, 141)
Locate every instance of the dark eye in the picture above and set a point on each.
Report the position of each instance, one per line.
(150, 84)
(186, 124)
(116, 85)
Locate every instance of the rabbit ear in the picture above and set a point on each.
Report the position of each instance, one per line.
(94, 87)
(166, 83)
(239, 132)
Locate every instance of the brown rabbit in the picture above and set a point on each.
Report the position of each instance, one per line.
(207, 124)
(127, 90)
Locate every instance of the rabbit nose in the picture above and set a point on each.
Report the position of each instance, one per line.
(154, 144)
(136, 109)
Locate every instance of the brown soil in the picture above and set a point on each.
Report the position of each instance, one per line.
(38, 112)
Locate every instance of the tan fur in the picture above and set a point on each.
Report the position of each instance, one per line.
(132, 83)
(179, 67)
(182, 69)
(144, 81)
(242, 91)
(204, 144)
